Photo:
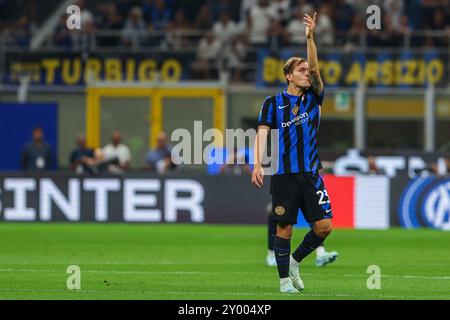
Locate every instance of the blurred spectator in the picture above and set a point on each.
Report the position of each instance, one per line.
(387, 36)
(117, 150)
(276, 34)
(235, 55)
(37, 155)
(217, 7)
(428, 9)
(225, 28)
(296, 29)
(260, 21)
(353, 37)
(84, 38)
(442, 167)
(160, 15)
(246, 5)
(98, 164)
(236, 164)
(22, 32)
(175, 38)
(160, 159)
(343, 14)
(134, 30)
(81, 155)
(203, 14)
(207, 52)
(394, 8)
(280, 10)
(147, 7)
(439, 23)
(112, 21)
(124, 7)
(4, 6)
(360, 6)
(244, 27)
(404, 27)
(203, 20)
(191, 8)
(62, 36)
(446, 10)
(373, 168)
(303, 6)
(415, 14)
(86, 18)
(324, 27)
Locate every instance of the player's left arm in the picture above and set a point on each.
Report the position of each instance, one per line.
(313, 61)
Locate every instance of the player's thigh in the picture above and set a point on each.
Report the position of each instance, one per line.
(285, 200)
(315, 200)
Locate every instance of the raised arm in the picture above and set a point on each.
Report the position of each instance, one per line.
(313, 62)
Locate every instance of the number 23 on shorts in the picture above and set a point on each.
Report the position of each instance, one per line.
(323, 197)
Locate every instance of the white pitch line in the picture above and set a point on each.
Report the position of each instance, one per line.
(363, 275)
(406, 276)
(271, 294)
(103, 262)
(423, 277)
(169, 262)
(130, 272)
(183, 293)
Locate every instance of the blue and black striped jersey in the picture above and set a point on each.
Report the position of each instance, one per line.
(297, 118)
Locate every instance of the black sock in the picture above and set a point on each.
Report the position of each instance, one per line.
(309, 244)
(271, 232)
(282, 249)
(311, 225)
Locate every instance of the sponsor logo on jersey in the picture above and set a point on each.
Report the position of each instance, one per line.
(298, 120)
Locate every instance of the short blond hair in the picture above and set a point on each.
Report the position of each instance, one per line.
(291, 64)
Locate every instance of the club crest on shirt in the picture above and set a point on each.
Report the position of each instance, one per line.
(279, 210)
(295, 110)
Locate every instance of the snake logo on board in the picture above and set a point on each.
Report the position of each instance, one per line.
(426, 202)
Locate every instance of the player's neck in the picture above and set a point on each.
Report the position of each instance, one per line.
(295, 91)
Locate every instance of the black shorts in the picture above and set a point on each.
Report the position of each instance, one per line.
(305, 191)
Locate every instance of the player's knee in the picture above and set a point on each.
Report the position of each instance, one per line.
(284, 232)
(323, 230)
(327, 230)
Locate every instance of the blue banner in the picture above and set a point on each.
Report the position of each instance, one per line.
(405, 69)
(73, 69)
(17, 122)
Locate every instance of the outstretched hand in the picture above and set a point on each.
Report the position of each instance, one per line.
(310, 24)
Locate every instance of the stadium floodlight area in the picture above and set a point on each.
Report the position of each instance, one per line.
(156, 92)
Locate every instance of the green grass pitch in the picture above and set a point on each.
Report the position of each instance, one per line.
(162, 261)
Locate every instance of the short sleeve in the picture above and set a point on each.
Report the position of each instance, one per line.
(265, 116)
